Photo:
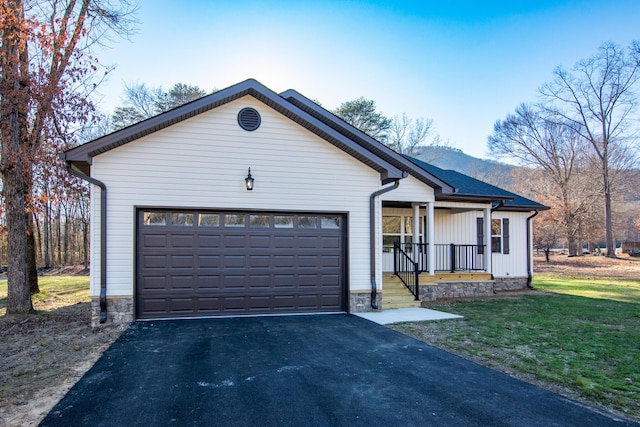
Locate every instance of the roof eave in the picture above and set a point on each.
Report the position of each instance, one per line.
(84, 153)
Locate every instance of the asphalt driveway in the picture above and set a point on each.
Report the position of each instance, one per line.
(337, 370)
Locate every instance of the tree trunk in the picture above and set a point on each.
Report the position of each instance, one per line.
(611, 245)
(47, 232)
(19, 295)
(32, 268)
(85, 245)
(14, 118)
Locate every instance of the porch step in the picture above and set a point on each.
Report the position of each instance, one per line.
(396, 295)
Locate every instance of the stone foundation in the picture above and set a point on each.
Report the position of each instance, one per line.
(510, 284)
(455, 290)
(119, 310)
(360, 302)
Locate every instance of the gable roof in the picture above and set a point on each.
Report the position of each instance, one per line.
(471, 189)
(367, 142)
(81, 157)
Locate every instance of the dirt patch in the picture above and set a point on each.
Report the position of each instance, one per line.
(44, 355)
(624, 267)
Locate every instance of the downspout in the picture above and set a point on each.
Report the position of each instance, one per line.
(529, 272)
(372, 238)
(103, 236)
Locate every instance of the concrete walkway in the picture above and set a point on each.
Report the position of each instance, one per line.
(398, 315)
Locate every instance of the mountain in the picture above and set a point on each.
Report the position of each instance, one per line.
(490, 171)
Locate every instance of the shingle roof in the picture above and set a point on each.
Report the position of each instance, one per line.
(470, 188)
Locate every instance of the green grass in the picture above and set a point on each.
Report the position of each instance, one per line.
(585, 337)
(55, 291)
(601, 288)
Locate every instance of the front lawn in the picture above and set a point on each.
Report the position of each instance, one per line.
(583, 347)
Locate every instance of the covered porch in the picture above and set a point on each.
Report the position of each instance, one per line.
(427, 244)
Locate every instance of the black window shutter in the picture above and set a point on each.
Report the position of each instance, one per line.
(480, 234)
(505, 235)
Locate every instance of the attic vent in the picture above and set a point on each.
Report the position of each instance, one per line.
(249, 119)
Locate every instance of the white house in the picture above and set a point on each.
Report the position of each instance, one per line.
(251, 202)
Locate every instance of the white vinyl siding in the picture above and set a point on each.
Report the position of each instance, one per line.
(202, 163)
(514, 263)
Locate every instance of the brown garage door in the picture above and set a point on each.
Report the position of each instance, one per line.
(198, 263)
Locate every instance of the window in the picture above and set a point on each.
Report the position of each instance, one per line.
(234, 220)
(259, 221)
(332, 222)
(496, 236)
(499, 235)
(181, 218)
(209, 220)
(155, 218)
(283, 221)
(307, 221)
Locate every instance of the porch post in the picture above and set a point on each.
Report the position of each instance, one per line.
(488, 254)
(416, 228)
(431, 245)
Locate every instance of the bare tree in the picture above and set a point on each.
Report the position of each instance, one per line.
(597, 100)
(533, 141)
(409, 136)
(142, 102)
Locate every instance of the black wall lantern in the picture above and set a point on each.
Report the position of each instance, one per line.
(248, 181)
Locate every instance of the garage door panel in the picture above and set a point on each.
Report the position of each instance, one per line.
(205, 283)
(155, 240)
(182, 240)
(154, 261)
(208, 241)
(308, 261)
(154, 282)
(260, 242)
(240, 263)
(286, 242)
(208, 261)
(233, 241)
(330, 261)
(182, 261)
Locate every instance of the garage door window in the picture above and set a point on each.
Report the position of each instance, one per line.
(182, 218)
(308, 221)
(155, 218)
(209, 220)
(283, 221)
(259, 221)
(330, 222)
(234, 220)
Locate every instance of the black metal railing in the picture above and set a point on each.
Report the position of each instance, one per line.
(447, 257)
(454, 258)
(407, 270)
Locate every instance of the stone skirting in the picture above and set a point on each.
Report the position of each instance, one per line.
(445, 290)
(360, 302)
(454, 290)
(510, 284)
(119, 310)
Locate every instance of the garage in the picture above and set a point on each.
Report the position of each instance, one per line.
(196, 263)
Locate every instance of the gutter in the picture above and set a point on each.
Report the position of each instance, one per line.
(498, 206)
(103, 234)
(529, 272)
(372, 237)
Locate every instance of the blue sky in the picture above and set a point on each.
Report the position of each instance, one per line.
(465, 64)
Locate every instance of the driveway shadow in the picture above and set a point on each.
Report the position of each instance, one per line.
(319, 370)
